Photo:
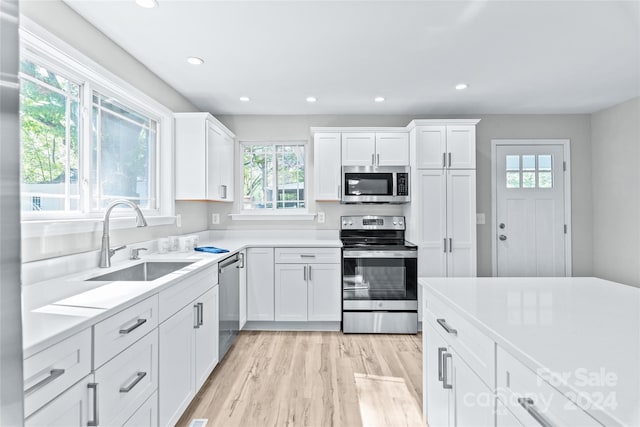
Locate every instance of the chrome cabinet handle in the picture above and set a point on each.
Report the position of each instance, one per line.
(378, 159)
(307, 256)
(196, 314)
(445, 325)
(309, 273)
(200, 313)
(305, 273)
(241, 260)
(373, 159)
(449, 159)
(450, 244)
(445, 245)
(444, 160)
(53, 374)
(223, 191)
(440, 351)
(138, 378)
(96, 419)
(445, 370)
(339, 191)
(529, 405)
(130, 329)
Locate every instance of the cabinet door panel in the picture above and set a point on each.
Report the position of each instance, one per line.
(433, 223)
(436, 397)
(461, 224)
(327, 162)
(206, 340)
(191, 158)
(392, 148)
(430, 146)
(358, 149)
(260, 286)
(243, 290)
(474, 402)
(461, 144)
(291, 292)
(146, 415)
(177, 369)
(325, 292)
(226, 169)
(70, 409)
(215, 155)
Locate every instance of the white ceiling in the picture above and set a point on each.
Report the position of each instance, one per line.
(516, 56)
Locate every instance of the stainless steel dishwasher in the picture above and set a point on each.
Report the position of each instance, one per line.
(229, 302)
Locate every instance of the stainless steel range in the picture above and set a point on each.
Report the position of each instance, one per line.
(379, 276)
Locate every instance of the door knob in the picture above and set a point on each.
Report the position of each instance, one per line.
(502, 237)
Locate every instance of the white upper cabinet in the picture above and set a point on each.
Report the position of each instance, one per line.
(358, 149)
(375, 149)
(204, 158)
(326, 154)
(392, 149)
(450, 146)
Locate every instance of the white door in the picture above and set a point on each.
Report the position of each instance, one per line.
(206, 353)
(392, 149)
(214, 164)
(358, 149)
(431, 147)
(432, 254)
(461, 224)
(260, 287)
(291, 292)
(461, 147)
(530, 210)
(324, 292)
(326, 151)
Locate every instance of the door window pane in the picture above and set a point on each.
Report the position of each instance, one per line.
(49, 140)
(528, 180)
(513, 163)
(544, 162)
(528, 163)
(513, 179)
(545, 180)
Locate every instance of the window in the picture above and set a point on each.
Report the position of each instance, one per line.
(274, 176)
(529, 171)
(88, 138)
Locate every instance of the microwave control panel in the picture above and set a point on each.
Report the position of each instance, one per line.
(403, 187)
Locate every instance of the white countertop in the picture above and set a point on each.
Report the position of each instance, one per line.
(584, 328)
(72, 304)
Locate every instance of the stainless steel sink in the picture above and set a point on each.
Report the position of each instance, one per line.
(146, 271)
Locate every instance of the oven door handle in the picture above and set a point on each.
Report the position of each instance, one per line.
(379, 254)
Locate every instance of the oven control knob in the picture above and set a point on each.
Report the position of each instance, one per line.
(350, 222)
(344, 222)
(395, 223)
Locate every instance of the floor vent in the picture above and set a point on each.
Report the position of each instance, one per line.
(202, 422)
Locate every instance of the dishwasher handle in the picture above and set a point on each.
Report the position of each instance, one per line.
(228, 263)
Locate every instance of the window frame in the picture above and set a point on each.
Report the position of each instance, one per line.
(43, 48)
(270, 213)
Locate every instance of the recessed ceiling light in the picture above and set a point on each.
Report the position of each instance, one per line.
(245, 99)
(194, 60)
(311, 99)
(147, 4)
(462, 86)
(379, 99)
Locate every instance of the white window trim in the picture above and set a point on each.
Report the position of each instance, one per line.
(76, 65)
(299, 214)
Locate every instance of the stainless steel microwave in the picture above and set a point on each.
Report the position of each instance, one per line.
(375, 184)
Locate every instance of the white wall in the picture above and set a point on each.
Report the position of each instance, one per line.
(574, 127)
(616, 192)
(66, 24)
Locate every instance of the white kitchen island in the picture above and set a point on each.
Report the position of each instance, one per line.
(531, 351)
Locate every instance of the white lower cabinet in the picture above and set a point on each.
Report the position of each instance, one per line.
(146, 415)
(73, 408)
(188, 354)
(243, 288)
(324, 292)
(260, 285)
(454, 393)
(291, 292)
(127, 381)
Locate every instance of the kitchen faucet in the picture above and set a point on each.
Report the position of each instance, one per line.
(105, 252)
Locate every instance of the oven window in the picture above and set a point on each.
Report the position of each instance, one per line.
(372, 184)
(380, 278)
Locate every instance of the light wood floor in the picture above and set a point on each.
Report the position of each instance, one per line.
(314, 379)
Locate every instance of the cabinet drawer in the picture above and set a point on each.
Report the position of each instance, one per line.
(477, 350)
(51, 371)
(172, 300)
(146, 415)
(307, 255)
(119, 331)
(70, 409)
(128, 380)
(517, 382)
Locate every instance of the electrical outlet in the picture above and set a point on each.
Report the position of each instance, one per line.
(480, 219)
(215, 218)
(178, 220)
(321, 217)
